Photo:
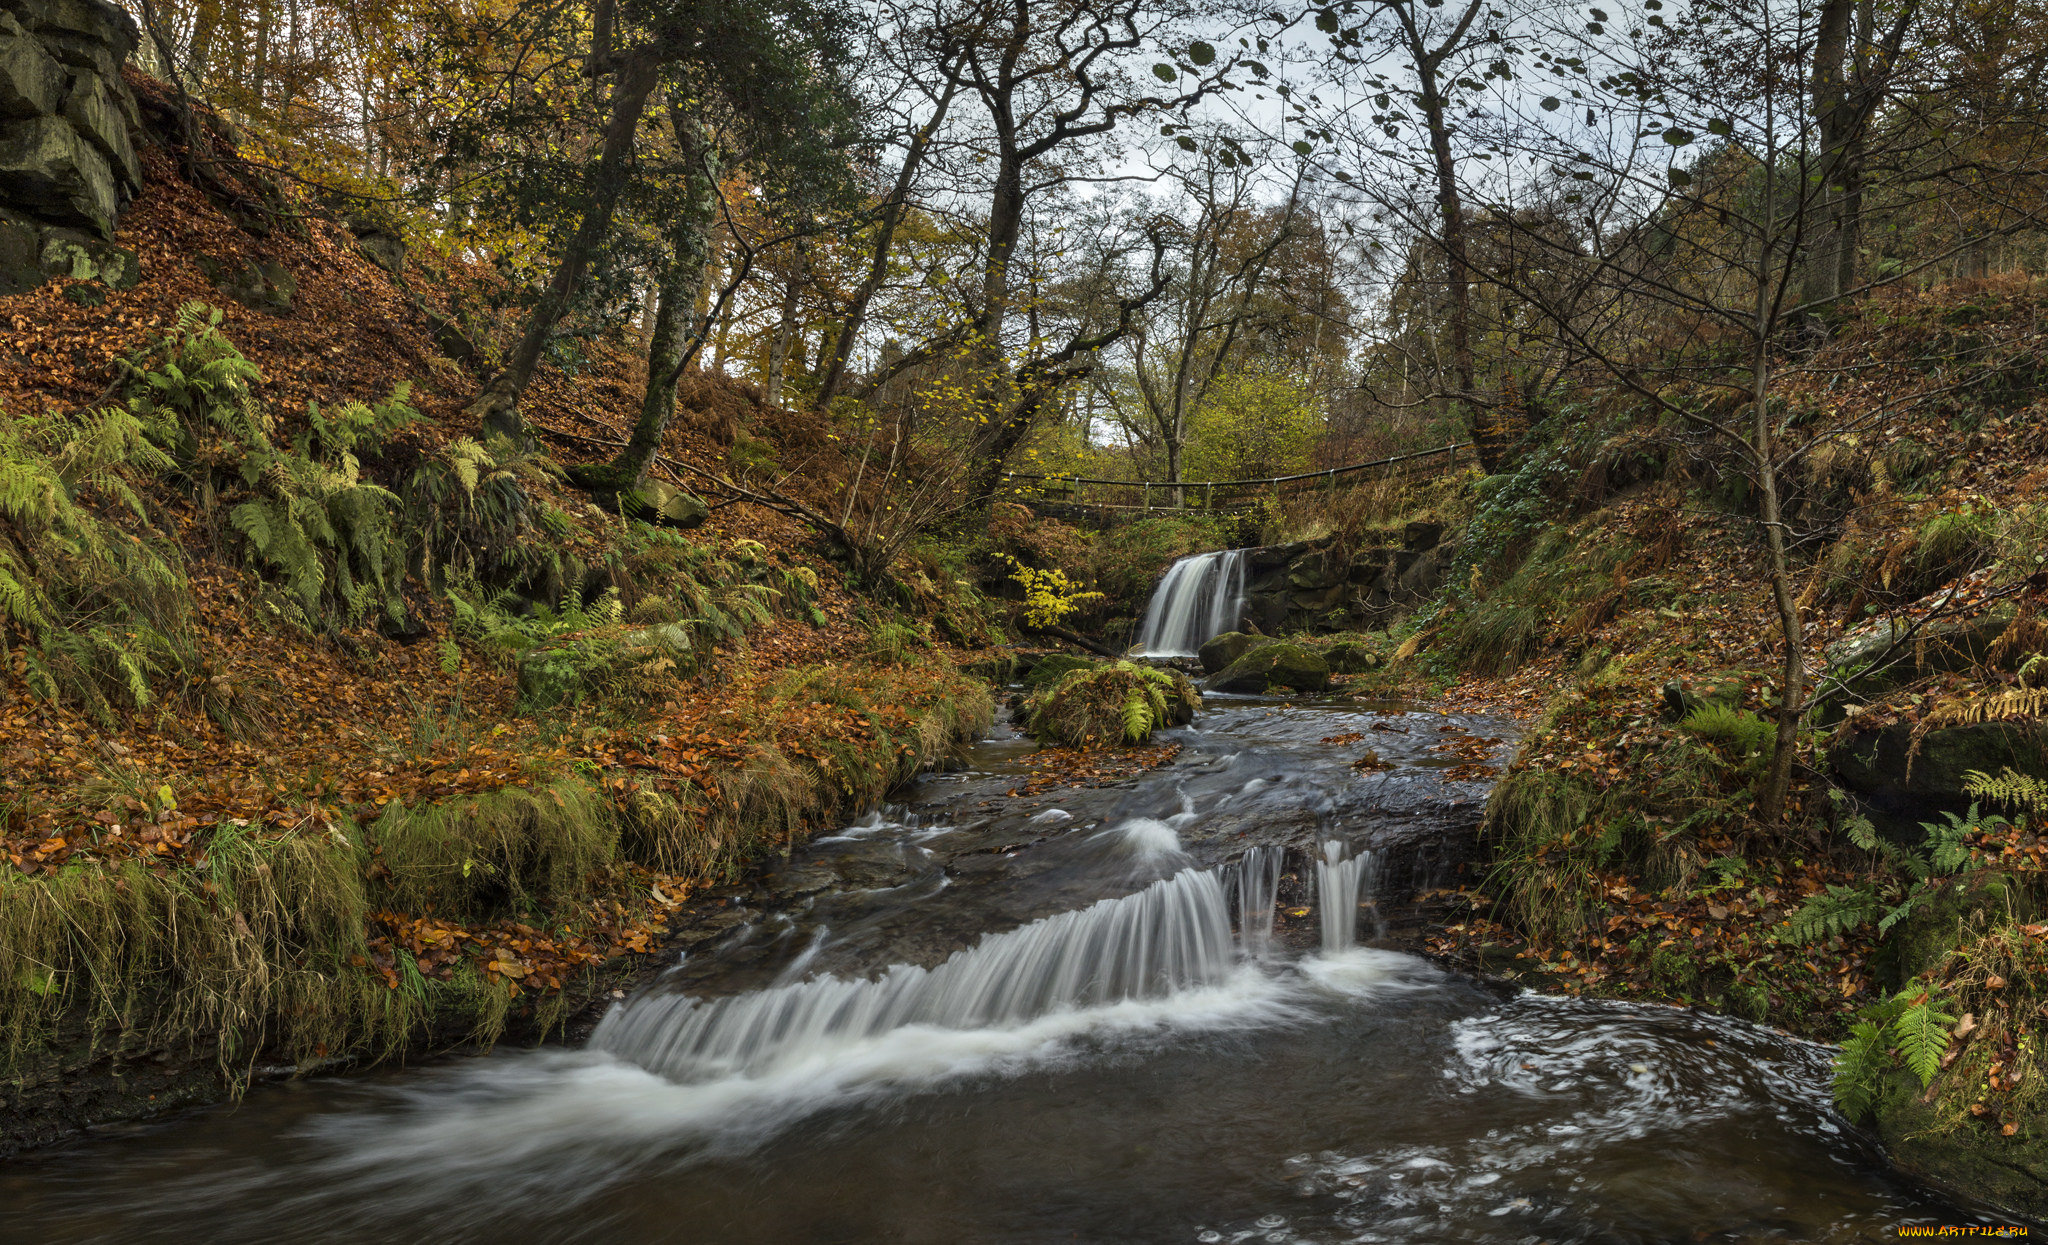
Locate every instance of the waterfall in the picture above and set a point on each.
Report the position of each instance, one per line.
(1200, 598)
(1258, 889)
(1170, 936)
(1338, 884)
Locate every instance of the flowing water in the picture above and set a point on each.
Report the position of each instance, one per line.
(1200, 598)
(1171, 1009)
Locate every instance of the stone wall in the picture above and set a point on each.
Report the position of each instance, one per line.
(1316, 586)
(67, 152)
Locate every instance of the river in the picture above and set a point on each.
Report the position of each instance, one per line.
(1175, 1008)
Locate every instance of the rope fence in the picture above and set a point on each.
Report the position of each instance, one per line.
(1227, 495)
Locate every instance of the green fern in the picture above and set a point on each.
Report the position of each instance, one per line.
(2011, 788)
(1836, 910)
(1922, 1030)
(1860, 1069)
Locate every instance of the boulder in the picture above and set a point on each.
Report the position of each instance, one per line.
(1941, 647)
(1273, 667)
(665, 505)
(1423, 534)
(1350, 657)
(1228, 647)
(386, 250)
(48, 168)
(83, 258)
(267, 287)
(31, 81)
(1876, 762)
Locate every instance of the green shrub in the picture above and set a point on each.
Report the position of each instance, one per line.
(1122, 702)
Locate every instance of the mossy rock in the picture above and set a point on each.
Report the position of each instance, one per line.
(1351, 657)
(2008, 1174)
(665, 505)
(1942, 647)
(1273, 667)
(1224, 649)
(1053, 667)
(1944, 920)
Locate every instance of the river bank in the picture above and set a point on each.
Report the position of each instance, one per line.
(904, 1035)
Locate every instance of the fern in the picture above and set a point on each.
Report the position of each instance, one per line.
(1860, 1069)
(1922, 1029)
(1836, 910)
(2010, 788)
(1137, 716)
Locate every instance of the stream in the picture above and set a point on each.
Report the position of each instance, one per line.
(1173, 1008)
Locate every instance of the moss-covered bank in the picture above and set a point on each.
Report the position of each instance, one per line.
(127, 987)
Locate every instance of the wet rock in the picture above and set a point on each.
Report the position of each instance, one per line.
(1972, 1159)
(1289, 667)
(1220, 651)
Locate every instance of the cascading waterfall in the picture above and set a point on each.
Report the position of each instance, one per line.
(1339, 881)
(1258, 890)
(1171, 936)
(1201, 597)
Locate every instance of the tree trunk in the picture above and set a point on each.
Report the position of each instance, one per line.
(1833, 111)
(778, 346)
(678, 324)
(885, 241)
(1487, 440)
(1770, 802)
(500, 398)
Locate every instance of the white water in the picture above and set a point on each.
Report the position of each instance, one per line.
(1201, 597)
(1170, 937)
(1258, 889)
(1338, 884)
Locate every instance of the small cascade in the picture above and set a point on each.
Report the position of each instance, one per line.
(1258, 890)
(1169, 937)
(1339, 882)
(1201, 597)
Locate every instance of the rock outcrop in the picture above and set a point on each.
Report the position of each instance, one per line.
(67, 152)
(1315, 586)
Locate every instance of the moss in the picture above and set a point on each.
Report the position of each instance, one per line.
(1219, 651)
(1053, 667)
(1272, 667)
